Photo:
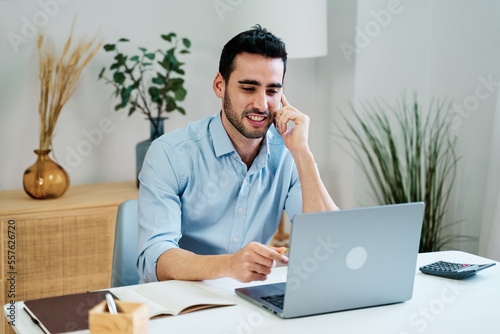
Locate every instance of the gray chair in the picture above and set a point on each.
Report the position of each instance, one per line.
(126, 244)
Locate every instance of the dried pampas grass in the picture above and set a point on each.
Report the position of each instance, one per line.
(58, 79)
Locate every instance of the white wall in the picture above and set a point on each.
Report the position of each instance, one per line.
(466, 55)
(113, 157)
(490, 227)
(439, 48)
(443, 49)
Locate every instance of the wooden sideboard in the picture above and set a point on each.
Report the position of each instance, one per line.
(58, 246)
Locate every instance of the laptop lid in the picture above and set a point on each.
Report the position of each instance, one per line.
(347, 259)
(352, 258)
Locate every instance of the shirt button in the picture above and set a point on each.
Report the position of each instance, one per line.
(240, 210)
(235, 239)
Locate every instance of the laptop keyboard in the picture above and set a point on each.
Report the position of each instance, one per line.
(276, 300)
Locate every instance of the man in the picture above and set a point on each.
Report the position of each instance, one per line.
(212, 194)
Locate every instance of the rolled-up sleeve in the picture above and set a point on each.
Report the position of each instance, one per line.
(159, 207)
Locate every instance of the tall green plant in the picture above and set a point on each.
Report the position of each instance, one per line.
(407, 156)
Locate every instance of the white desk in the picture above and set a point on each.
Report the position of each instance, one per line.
(438, 306)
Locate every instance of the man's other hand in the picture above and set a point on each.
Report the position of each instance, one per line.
(254, 262)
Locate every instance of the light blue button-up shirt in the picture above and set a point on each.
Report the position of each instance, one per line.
(197, 194)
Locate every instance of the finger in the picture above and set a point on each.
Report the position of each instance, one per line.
(288, 115)
(258, 254)
(255, 277)
(261, 269)
(253, 266)
(266, 256)
(278, 249)
(282, 251)
(278, 113)
(264, 260)
(249, 276)
(284, 101)
(272, 254)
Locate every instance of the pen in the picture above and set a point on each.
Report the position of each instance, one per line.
(284, 251)
(111, 304)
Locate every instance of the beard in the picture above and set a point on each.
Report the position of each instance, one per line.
(237, 121)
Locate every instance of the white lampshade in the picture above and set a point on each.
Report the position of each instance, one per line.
(301, 24)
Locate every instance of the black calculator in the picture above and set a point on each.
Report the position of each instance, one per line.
(453, 270)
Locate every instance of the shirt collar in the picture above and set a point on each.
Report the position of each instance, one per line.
(222, 143)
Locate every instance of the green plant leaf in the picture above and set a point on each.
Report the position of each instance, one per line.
(171, 56)
(124, 102)
(158, 81)
(170, 104)
(181, 110)
(102, 72)
(150, 55)
(168, 37)
(126, 92)
(165, 64)
(175, 84)
(109, 47)
(180, 94)
(119, 78)
(134, 58)
(115, 66)
(186, 42)
(123, 40)
(144, 50)
(121, 59)
(185, 51)
(154, 92)
(131, 110)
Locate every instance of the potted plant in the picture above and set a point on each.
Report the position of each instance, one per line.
(150, 82)
(407, 155)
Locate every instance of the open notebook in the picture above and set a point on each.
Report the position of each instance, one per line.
(171, 297)
(69, 313)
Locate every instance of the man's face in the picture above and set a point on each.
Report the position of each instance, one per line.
(252, 95)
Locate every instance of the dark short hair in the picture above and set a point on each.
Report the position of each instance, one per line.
(257, 41)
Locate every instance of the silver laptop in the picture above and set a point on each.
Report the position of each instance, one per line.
(346, 259)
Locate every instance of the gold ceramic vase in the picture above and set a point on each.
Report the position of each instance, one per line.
(45, 178)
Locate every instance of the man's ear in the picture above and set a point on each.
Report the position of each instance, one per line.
(219, 85)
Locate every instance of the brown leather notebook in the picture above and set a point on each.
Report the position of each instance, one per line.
(64, 314)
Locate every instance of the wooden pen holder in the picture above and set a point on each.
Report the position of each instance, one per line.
(132, 318)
